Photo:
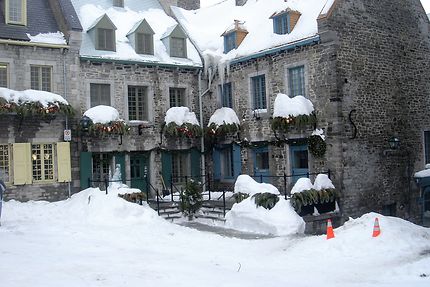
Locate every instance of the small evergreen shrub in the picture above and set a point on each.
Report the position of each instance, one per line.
(191, 199)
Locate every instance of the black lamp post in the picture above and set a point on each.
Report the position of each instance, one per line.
(85, 123)
(394, 143)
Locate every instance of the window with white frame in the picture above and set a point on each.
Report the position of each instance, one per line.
(4, 75)
(42, 162)
(138, 103)
(178, 47)
(5, 162)
(177, 97)
(41, 78)
(99, 94)
(296, 81)
(180, 164)
(258, 90)
(16, 12)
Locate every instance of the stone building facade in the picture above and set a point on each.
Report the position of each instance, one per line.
(19, 58)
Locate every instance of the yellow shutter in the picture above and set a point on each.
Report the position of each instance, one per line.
(21, 163)
(63, 162)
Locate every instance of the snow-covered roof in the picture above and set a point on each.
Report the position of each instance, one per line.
(48, 38)
(125, 19)
(206, 25)
(224, 116)
(31, 96)
(180, 116)
(102, 114)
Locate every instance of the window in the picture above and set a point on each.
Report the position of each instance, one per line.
(262, 159)
(101, 165)
(4, 162)
(118, 3)
(227, 162)
(4, 75)
(427, 146)
(137, 103)
(16, 12)
(229, 42)
(226, 97)
(258, 89)
(281, 24)
(144, 44)
(178, 47)
(105, 39)
(177, 97)
(179, 167)
(42, 162)
(100, 94)
(296, 79)
(40, 78)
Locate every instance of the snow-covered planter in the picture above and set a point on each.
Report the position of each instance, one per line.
(222, 123)
(33, 103)
(321, 195)
(180, 122)
(316, 143)
(105, 121)
(297, 112)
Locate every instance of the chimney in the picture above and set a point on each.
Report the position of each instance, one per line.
(185, 4)
(240, 2)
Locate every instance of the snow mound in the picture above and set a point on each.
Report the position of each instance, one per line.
(281, 220)
(323, 182)
(246, 184)
(224, 116)
(285, 106)
(29, 96)
(180, 116)
(301, 185)
(102, 114)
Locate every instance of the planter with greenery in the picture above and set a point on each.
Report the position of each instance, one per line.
(324, 200)
(284, 124)
(221, 131)
(240, 196)
(266, 199)
(186, 130)
(35, 108)
(191, 199)
(112, 128)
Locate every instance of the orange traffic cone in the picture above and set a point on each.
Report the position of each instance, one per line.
(376, 229)
(330, 233)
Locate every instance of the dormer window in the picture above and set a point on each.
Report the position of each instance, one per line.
(118, 3)
(285, 21)
(16, 12)
(175, 41)
(234, 36)
(141, 37)
(103, 34)
(105, 39)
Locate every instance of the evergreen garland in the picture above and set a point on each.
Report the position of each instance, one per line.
(35, 108)
(114, 127)
(215, 131)
(284, 124)
(187, 130)
(317, 146)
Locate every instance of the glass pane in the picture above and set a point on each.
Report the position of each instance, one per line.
(297, 81)
(15, 11)
(177, 47)
(262, 160)
(300, 159)
(427, 146)
(34, 77)
(4, 162)
(3, 75)
(36, 155)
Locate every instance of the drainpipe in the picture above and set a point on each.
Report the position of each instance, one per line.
(65, 97)
(202, 139)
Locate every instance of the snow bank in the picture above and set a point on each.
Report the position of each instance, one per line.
(323, 182)
(422, 173)
(30, 96)
(246, 184)
(302, 184)
(49, 38)
(224, 116)
(280, 220)
(285, 106)
(102, 114)
(180, 116)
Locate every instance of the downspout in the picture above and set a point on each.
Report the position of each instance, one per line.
(65, 97)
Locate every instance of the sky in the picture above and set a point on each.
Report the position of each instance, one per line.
(204, 3)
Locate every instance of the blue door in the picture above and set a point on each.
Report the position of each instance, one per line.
(261, 164)
(299, 161)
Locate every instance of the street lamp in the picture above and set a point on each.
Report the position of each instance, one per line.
(85, 123)
(394, 142)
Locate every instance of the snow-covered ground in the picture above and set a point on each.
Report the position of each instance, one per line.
(95, 239)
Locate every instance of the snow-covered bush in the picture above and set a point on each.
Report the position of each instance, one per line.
(191, 199)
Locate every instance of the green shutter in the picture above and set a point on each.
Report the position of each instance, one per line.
(85, 170)
(166, 166)
(237, 161)
(195, 164)
(63, 162)
(120, 159)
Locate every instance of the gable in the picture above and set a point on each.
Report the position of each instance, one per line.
(141, 27)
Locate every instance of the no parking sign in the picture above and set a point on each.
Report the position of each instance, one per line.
(67, 135)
